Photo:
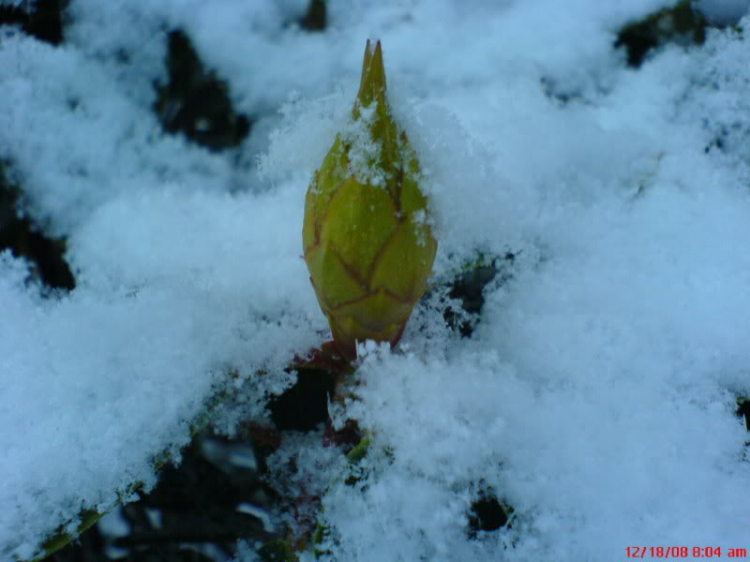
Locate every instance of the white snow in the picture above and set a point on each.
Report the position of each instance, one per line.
(597, 395)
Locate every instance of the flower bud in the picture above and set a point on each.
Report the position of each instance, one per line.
(367, 237)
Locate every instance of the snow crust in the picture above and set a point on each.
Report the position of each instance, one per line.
(597, 395)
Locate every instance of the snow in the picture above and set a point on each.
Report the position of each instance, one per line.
(597, 394)
(724, 12)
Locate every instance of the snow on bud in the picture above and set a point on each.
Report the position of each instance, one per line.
(367, 237)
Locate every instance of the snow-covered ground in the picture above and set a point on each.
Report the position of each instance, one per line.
(597, 395)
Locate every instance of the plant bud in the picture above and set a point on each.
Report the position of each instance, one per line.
(367, 237)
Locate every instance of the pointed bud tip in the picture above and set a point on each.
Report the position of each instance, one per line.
(373, 74)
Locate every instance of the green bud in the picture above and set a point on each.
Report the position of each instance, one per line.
(367, 237)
